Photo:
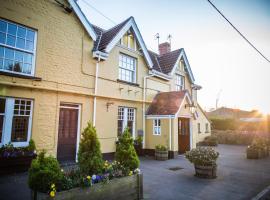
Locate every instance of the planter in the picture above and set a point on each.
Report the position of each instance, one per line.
(161, 155)
(130, 187)
(206, 171)
(253, 154)
(139, 150)
(15, 164)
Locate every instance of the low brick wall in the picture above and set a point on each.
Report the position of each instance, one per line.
(130, 187)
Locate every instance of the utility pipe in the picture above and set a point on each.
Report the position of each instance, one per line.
(95, 92)
(143, 112)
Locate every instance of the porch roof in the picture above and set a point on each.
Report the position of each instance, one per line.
(167, 103)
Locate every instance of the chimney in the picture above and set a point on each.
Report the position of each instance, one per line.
(164, 47)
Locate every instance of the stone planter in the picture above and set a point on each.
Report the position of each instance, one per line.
(161, 155)
(15, 164)
(206, 171)
(130, 187)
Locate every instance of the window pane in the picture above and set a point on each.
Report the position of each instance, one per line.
(8, 64)
(19, 56)
(12, 29)
(11, 40)
(21, 32)
(2, 38)
(9, 53)
(20, 43)
(1, 126)
(19, 128)
(3, 26)
(29, 45)
(27, 58)
(30, 35)
(2, 105)
(17, 67)
(1, 63)
(27, 68)
(120, 127)
(1, 52)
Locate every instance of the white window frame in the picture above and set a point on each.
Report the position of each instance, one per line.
(33, 53)
(157, 126)
(206, 128)
(134, 77)
(8, 119)
(125, 119)
(179, 82)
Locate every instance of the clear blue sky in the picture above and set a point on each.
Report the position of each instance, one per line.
(219, 57)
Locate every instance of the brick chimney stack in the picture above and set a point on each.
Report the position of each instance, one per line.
(164, 47)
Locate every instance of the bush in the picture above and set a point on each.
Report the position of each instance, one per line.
(209, 141)
(233, 137)
(89, 156)
(224, 124)
(125, 152)
(31, 146)
(205, 156)
(43, 172)
(139, 140)
(160, 147)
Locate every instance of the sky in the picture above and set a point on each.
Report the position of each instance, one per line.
(223, 63)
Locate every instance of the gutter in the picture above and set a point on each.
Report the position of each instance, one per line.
(160, 75)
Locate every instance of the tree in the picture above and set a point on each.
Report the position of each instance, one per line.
(89, 156)
(125, 152)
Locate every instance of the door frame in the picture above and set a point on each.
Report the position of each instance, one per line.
(190, 130)
(78, 125)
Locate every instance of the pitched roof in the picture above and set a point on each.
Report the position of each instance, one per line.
(167, 103)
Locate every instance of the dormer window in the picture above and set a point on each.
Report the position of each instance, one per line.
(129, 41)
(179, 82)
(127, 68)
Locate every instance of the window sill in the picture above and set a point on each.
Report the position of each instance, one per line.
(128, 83)
(20, 76)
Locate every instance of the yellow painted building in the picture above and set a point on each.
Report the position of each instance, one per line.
(58, 72)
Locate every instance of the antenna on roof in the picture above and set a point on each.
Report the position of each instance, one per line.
(157, 38)
(170, 39)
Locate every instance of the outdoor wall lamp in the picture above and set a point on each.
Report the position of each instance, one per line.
(192, 107)
(108, 104)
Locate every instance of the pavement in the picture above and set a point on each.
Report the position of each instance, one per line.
(238, 178)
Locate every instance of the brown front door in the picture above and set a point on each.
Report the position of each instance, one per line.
(67, 132)
(183, 135)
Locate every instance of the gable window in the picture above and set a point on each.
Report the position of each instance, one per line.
(199, 128)
(127, 68)
(156, 127)
(179, 82)
(15, 121)
(206, 127)
(128, 40)
(126, 118)
(17, 48)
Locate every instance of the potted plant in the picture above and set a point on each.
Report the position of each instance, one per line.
(16, 159)
(204, 160)
(161, 152)
(138, 145)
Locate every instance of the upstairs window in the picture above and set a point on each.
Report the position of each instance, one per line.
(17, 48)
(127, 68)
(156, 127)
(179, 82)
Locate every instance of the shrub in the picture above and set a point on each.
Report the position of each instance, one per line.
(205, 156)
(160, 147)
(31, 146)
(43, 172)
(210, 141)
(125, 152)
(89, 156)
(138, 140)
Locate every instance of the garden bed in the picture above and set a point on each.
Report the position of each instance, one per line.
(130, 187)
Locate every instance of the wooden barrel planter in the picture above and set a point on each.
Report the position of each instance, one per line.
(206, 171)
(161, 155)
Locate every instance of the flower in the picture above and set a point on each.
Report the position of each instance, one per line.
(130, 173)
(88, 177)
(53, 186)
(62, 170)
(137, 171)
(52, 193)
(94, 177)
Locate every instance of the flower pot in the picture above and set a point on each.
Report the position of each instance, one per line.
(161, 155)
(206, 171)
(253, 153)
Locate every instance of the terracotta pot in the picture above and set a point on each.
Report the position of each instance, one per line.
(206, 171)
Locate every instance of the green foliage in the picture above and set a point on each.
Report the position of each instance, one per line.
(44, 171)
(205, 156)
(138, 140)
(125, 152)
(209, 141)
(89, 156)
(31, 146)
(161, 147)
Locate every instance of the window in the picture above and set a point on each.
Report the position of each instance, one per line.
(127, 68)
(199, 128)
(128, 40)
(17, 48)
(156, 127)
(206, 127)
(179, 82)
(15, 121)
(126, 118)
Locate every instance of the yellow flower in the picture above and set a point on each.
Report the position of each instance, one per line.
(88, 177)
(52, 193)
(130, 173)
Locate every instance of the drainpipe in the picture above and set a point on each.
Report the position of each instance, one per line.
(95, 92)
(170, 136)
(143, 112)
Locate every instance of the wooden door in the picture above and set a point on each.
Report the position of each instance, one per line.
(67, 132)
(183, 135)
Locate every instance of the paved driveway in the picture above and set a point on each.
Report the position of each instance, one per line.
(238, 178)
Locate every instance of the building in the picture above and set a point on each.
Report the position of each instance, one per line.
(58, 72)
